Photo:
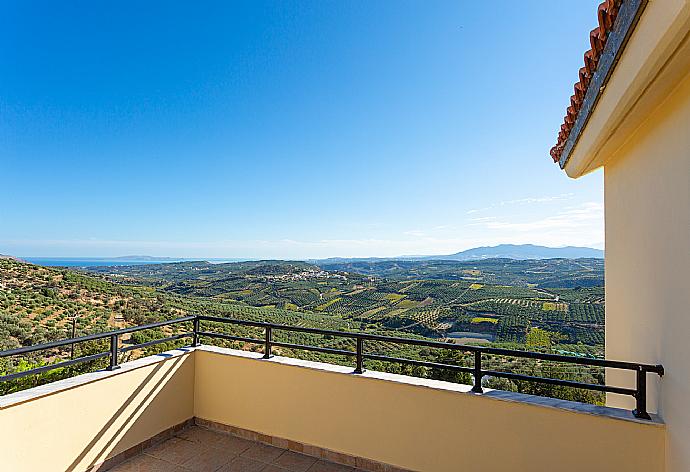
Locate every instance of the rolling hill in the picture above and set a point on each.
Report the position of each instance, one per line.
(502, 251)
(523, 252)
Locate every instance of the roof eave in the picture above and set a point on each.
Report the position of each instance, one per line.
(626, 19)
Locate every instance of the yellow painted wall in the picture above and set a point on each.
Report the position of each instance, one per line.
(413, 426)
(75, 428)
(647, 195)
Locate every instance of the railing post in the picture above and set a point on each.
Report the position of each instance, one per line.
(267, 345)
(640, 410)
(360, 356)
(113, 352)
(477, 387)
(195, 337)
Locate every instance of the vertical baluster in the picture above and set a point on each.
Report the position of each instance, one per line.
(360, 356)
(477, 387)
(267, 343)
(640, 410)
(195, 339)
(113, 352)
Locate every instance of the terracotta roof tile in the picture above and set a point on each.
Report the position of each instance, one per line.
(606, 15)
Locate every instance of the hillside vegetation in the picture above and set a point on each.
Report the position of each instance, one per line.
(439, 299)
(38, 304)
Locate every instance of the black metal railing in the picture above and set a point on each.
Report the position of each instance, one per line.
(113, 351)
(360, 354)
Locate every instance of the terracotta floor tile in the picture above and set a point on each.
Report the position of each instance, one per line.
(199, 435)
(275, 468)
(197, 449)
(144, 463)
(294, 461)
(323, 466)
(263, 452)
(243, 464)
(209, 460)
(224, 441)
(233, 444)
(175, 450)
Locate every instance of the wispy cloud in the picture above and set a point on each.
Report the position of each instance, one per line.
(569, 218)
(481, 220)
(415, 232)
(524, 201)
(577, 225)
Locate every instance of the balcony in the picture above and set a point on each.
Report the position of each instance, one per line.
(213, 408)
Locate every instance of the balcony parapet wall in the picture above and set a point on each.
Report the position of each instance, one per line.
(408, 422)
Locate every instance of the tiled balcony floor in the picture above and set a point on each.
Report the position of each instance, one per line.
(202, 450)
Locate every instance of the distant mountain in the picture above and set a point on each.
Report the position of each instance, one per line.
(345, 260)
(3, 256)
(144, 258)
(185, 271)
(502, 251)
(553, 273)
(522, 252)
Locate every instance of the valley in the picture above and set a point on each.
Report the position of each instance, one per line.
(505, 303)
(496, 300)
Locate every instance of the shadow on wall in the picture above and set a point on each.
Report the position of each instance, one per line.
(141, 415)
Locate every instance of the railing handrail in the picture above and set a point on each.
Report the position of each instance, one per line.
(640, 392)
(654, 368)
(91, 337)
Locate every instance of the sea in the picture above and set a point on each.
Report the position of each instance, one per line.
(94, 262)
(75, 262)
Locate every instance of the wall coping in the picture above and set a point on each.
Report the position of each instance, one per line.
(52, 388)
(16, 398)
(491, 394)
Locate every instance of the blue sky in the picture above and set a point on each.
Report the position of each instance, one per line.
(289, 129)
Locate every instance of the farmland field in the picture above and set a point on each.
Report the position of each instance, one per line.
(38, 304)
(504, 299)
